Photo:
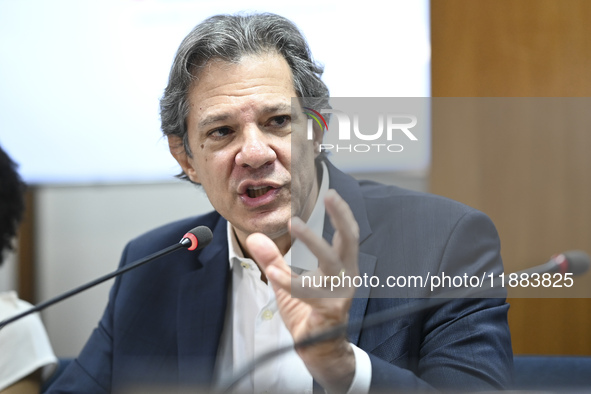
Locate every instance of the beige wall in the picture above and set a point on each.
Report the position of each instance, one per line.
(534, 180)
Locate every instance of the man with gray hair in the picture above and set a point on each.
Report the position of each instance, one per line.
(196, 319)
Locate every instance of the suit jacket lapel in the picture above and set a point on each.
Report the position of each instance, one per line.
(202, 308)
(349, 190)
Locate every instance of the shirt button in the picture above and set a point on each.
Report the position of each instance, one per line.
(245, 265)
(267, 315)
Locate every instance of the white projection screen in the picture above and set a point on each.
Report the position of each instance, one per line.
(80, 80)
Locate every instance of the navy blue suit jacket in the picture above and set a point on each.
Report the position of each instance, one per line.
(164, 320)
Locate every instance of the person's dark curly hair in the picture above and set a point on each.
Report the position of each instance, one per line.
(12, 203)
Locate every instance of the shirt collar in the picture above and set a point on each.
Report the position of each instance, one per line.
(306, 261)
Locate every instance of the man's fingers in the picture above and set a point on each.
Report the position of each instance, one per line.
(327, 258)
(342, 217)
(340, 258)
(335, 260)
(346, 238)
(264, 251)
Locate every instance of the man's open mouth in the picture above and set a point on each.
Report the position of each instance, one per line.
(257, 191)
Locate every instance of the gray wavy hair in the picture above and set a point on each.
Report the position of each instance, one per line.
(229, 38)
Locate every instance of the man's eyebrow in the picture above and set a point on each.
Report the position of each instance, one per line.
(277, 108)
(284, 108)
(224, 117)
(213, 119)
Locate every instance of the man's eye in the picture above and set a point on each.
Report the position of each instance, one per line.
(280, 121)
(220, 132)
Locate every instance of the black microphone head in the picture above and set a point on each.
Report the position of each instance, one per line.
(578, 261)
(197, 238)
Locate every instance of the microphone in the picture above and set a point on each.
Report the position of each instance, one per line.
(575, 262)
(196, 239)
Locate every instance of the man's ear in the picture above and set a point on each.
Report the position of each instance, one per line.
(177, 149)
(318, 136)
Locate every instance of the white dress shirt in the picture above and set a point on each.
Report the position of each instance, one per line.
(24, 345)
(253, 325)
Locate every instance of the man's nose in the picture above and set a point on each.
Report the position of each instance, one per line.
(256, 150)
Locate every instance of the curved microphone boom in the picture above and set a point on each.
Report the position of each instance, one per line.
(196, 239)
